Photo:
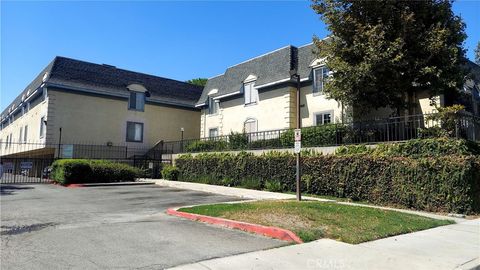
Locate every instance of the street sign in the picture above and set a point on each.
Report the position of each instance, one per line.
(67, 151)
(298, 135)
(26, 165)
(7, 166)
(298, 147)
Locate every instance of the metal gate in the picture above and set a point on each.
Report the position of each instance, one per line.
(25, 170)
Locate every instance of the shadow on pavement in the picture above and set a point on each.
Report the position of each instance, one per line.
(11, 189)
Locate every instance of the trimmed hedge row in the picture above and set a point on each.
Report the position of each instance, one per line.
(75, 171)
(445, 184)
(416, 148)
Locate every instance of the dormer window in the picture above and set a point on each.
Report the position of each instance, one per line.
(136, 101)
(320, 75)
(251, 93)
(212, 106)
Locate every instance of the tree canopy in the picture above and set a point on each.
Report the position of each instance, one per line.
(198, 81)
(382, 52)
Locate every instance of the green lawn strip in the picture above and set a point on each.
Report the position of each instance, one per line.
(312, 220)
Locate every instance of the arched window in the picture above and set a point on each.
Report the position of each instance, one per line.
(250, 125)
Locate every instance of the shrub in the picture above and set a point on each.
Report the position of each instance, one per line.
(68, 171)
(313, 136)
(428, 148)
(352, 150)
(169, 172)
(441, 183)
(273, 186)
(237, 141)
(74, 171)
(207, 145)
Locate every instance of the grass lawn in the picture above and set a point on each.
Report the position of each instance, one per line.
(312, 220)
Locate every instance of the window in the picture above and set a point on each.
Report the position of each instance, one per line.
(251, 93)
(212, 106)
(25, 134)
(20, 135)
(42, 127)
(250, 125)
(213, 132)
(136, 101)
(319, 76)
(134, 132)
(323, 118)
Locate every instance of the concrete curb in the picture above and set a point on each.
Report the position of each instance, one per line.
(272, 232)
(108, 184)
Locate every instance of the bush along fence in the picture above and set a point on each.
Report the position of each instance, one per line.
(446, 123)
(74, 171)
(393, 176)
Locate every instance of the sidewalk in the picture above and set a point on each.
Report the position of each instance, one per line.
(251, 194)
(454, 246)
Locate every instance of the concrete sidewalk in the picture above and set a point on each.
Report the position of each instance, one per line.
(251, 194)
(454, 246)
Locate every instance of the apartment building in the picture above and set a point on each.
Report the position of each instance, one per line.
(77, 102)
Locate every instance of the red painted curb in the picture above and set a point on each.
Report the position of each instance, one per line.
(272, 232)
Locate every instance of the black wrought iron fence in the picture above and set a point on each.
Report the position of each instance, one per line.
(358, 132)
(29, 162)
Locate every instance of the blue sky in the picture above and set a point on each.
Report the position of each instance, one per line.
(179, 40)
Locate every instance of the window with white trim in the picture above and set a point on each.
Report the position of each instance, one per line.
(213, 132)
(323, 118)
(251, 93)
(42, 127)
(250, 125)
(134, 132)
(20, 135)
(25, 133)
(136, 101)
(212, 106)
(320, 75)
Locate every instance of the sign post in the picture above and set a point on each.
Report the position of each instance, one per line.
(297, 150)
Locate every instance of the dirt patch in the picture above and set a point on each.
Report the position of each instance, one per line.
(279, 219)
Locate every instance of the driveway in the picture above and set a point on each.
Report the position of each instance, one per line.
(124, 227)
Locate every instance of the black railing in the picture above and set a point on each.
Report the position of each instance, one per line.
(359, 132)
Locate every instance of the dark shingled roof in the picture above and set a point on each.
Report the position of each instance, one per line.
(268, 68)
(79, 75)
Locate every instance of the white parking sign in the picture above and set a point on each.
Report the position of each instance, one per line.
(298, 135)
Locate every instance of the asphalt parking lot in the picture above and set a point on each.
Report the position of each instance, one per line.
(125, 227)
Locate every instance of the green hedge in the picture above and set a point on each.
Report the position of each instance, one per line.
(415, 148)
(443, 183)
(169, 172)
(74, 171)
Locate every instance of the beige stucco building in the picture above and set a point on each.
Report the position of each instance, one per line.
(260, 95)
(76, 103)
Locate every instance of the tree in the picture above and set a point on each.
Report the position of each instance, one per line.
(382, 52)
(198, 81)
(477, 54)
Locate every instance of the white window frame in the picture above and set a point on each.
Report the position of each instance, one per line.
(139, 96)
(213, 106)
(25, 133)
(318, 89)
(20, 135)
(141, 135)
(250, 120)
(250, 93)
(43, 127)
(332, 119)
(210, 130)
